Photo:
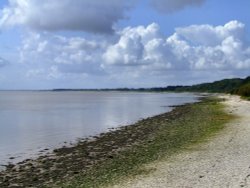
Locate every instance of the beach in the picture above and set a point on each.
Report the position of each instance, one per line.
(69, 161)
(222, 161)
(145, 151)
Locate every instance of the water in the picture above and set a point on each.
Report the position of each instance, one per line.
(32, 121)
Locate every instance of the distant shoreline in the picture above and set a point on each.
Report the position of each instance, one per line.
(239, 86)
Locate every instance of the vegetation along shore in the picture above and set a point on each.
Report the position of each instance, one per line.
(110, 157)
(221, 161)
(236, 86)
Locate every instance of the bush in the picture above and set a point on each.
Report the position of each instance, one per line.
(244, 90)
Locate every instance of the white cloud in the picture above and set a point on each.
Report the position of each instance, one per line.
(86, 15)
(209, 35)
(52, 53)
(135, 56)
(197, 47)
(127, 51)
(138, 53)
(169, 6)
(209, 47)
(138, 46)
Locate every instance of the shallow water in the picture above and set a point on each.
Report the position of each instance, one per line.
(33, 121)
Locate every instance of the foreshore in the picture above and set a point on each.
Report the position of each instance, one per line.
(122, 150)
(222, 161)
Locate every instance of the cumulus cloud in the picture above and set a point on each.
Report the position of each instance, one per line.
(140, 51)
(197, 47)
(169, 6)
(53, 54)
(209, 35)
(214, 47)
(138, 46)
(86, 15)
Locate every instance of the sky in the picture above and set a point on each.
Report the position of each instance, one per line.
(122, 43)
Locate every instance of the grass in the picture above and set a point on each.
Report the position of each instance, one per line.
(197, 122)
(246, 98)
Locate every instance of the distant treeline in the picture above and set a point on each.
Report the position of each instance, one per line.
(234, 86)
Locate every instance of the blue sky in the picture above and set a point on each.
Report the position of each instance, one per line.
(117, 43)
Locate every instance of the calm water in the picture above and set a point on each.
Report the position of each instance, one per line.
(32, 121)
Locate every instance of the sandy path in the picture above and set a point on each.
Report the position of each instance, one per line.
(223, 161)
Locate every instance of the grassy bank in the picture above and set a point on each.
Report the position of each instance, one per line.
(170, 133)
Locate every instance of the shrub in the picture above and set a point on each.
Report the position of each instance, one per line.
(244, 90)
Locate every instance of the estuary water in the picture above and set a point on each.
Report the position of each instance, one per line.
(31, 121)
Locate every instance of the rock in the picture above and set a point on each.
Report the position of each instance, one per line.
(35, 178)
(15, 185)
(92, 154)
(10, 166)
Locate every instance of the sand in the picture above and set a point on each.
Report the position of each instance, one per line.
(221, 161)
